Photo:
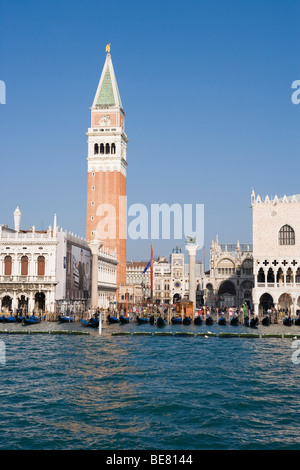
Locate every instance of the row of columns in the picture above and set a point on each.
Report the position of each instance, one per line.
(16, 296)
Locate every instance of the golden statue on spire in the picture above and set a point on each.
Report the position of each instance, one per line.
(108, 48)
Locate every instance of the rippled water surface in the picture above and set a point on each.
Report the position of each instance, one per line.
(152, 393)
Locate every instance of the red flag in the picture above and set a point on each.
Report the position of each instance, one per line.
(151, 268)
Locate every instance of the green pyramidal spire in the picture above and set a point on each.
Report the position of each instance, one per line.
(107, 92)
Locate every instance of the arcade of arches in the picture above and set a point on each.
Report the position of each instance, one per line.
(23, 302)
(284, 303)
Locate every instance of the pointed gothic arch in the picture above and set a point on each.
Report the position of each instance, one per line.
(270, 276)
(261, 278)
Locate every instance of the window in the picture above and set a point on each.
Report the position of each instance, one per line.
(96, 149)
(41, 266)
(286, 235)
(24, 266)
(107, 148)
(7, 265)
(113, 148)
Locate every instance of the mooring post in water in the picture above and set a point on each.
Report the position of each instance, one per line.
(100, 323)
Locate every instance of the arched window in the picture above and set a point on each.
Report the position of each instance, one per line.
(107, 148)
(41, 266)
(113, 148)
(286, 235)
(270, 276)
(96, 149)
(261, 276)
(102, 148)
(24, 266)
(7, 265)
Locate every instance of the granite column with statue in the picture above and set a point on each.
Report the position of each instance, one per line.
(192, 248)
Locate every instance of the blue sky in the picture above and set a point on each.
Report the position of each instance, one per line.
(206, 87)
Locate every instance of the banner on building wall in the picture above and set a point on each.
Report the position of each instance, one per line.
(81, 270)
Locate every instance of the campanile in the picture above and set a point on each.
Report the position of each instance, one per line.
(106, 186)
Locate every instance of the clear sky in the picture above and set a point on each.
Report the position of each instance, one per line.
(206, 87)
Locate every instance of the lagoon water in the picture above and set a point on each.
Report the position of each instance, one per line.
(148, 393)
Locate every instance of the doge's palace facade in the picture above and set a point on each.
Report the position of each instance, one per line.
(276, 252)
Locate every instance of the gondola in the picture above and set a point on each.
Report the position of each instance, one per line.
(198, 320)
(176, 320)
(222, 321)
(253, 322)
(33, 320)
(287, 321)
(124, 320)
(234, 320)
(187, 321)
(209, 321)
(151, 320)
(65, 319)
(92, 322)
(111, 319)
(10, 319)
(266, 321)
(160, 321)
(141, 321)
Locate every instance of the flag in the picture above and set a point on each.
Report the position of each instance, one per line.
(151, 270)
(245, 310)
(147, 267)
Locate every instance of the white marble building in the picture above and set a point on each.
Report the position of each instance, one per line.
(276, 252)
(27, 268)
(50, 270)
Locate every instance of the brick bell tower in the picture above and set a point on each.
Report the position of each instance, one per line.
(106, 187)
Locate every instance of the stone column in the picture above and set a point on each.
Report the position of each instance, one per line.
(94, 246)
(192, 248)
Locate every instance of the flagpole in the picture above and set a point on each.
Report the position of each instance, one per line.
(151, 272)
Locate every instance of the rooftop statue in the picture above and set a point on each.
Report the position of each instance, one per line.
(191, 240)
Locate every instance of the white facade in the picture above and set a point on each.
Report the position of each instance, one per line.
(50, 271)
(276, 252)
(107, 278)
(27, 269)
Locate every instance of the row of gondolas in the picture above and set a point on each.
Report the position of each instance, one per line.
(93, 322)
(252, 323)
(25, 320)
